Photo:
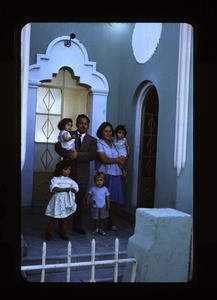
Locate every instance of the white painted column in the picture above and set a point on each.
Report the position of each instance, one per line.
(25, 48)
(98, 109)
(28, 168)
(182, 96)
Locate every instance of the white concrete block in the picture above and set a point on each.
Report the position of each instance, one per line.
(161, 244)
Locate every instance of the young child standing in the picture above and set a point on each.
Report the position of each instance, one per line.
(122, 147)
(62, 203)
(98, 197)
(65, 138)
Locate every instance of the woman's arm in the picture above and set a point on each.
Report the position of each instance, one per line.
(108, 160)
(61, 151)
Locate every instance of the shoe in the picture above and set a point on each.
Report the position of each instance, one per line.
(101, 231)
(79, 230)
(113, 227)
(96, 230)
(48, 237)
(64, 237)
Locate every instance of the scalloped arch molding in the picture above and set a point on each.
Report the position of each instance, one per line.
(74, 57)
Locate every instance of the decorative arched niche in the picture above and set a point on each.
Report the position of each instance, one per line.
(66, 52)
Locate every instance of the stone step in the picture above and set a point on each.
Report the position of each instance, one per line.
(103, 273)
(77, 276)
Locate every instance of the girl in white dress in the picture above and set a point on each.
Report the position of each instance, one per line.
(65, 138)
(62, 203)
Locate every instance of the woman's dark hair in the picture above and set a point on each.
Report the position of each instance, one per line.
(63, 164)
(121, 127)
(99, 132)
(63, 122)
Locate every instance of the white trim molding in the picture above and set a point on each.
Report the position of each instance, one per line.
(182, 96)
(75, 56)
(70, 53)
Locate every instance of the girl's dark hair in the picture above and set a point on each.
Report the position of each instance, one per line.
(65, 163)
(99, 132)
(121, 127)
(63, 122)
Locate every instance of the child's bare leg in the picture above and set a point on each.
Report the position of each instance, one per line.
(102, 223)
(124, 172)
(49, 228)
(102, 226)
(97, 225)
(63, 228)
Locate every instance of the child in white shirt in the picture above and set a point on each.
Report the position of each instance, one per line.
(98, 198)
(122, 146)
(65, 138)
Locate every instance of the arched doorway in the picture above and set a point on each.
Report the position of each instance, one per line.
(145, 146)
(58, 98)
(148, 149)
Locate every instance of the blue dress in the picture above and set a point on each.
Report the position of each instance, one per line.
(113, 178)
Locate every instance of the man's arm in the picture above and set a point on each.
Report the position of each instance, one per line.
(61, 151)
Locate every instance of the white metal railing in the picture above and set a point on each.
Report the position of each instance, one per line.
(92, 263)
